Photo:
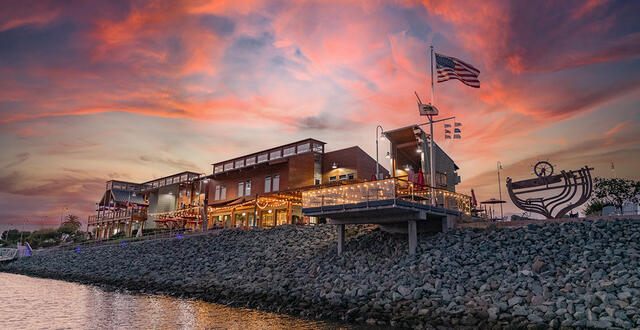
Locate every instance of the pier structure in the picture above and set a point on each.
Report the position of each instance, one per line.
(408, 202)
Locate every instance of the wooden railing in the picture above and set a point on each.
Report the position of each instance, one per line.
(117, 215)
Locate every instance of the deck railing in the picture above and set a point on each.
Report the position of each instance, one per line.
(116, 215)
(384, 190)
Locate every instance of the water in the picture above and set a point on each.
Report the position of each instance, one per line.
(36, 303)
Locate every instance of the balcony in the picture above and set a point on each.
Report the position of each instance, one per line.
(117, 216)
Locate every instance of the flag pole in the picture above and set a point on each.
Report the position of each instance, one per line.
(432, 165)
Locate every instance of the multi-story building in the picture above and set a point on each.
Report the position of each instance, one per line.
(263, 189)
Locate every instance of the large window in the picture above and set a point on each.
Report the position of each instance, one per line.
(221, 193)
(317, 147)
(251, 160)
(216, 197)
(247, 188)
(267, 184)
(218, 169)
(276, 183)
(240, 189)
(239, 163)
(228, 166)
(302, 148)
(263, 158)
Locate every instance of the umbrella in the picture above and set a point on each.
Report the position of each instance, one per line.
(420, 181)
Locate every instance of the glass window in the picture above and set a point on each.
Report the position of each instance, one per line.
(276, 183)
(217, 195)
(302, 148)
(155, 184)
(240, 189)
(275, 154)
(239, 163)
(223, 193)
(343, 177)
(247, 188)
(183, 177)
(251, 160)
(218, 169)
(317, 147)
(332, 178)
(289, 151)
(267, 184)
(228, 166)
(351, 176)
(263, 158)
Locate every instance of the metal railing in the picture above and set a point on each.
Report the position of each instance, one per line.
(115, 215)
(385, 190)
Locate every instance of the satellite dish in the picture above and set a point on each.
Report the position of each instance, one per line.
(426, 109)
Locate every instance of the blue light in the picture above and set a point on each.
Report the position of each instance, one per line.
(78, 249)
(124, 243)
(179, 235)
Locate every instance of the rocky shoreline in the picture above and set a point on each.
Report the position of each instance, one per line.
(577, 274)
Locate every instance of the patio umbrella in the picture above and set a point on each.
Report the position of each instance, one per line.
(473, 198)
(420, 180)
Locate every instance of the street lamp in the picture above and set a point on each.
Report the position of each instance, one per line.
(380, 136)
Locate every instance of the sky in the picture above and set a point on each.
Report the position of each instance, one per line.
(136, 90)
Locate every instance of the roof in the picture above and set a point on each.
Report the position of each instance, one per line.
(172, 175)
(126, 196)
(268, 150)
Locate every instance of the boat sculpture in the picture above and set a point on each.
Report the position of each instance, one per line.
(551, 195)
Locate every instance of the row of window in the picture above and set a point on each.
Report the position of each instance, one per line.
(275, 154)
(349, 176)
(271, 183)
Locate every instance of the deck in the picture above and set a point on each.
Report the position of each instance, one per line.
(395, 204)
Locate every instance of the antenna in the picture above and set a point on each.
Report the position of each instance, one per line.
(419, 101)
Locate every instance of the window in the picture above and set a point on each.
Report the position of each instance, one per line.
(275, 154)
(267, 184)
(247, 188)
(250, 161)
(351, 176)
(218, 169)
(317, 147)
(183, 177)
(239, 163)
(223, 193)
(263, 158)
(217, 195)
(228, 166)
(276, 183)
(240, 189)
(343, 177)
(289, 151)
(302, 148)
(332, 178)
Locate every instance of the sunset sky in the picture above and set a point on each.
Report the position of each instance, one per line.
(135, 90)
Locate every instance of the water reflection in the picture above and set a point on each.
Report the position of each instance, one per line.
(34, 303)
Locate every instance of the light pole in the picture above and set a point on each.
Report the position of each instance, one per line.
(378, 136)
(499, 166)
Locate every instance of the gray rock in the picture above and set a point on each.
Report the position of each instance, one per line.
(514, 301)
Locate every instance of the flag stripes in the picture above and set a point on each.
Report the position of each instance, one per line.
(449, 67)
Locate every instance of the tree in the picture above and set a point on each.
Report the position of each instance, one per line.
(71, 224)
(616, 191)
(594, 207)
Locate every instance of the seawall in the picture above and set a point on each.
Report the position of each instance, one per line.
(576, 274)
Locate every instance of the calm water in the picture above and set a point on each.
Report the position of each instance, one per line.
(35, 303)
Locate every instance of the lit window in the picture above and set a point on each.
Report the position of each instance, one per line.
(239, 163)
(332, 178)
(276, 183)
(240, 189)
(302, 148)
(263, 158)
(343, 177)
(275, 154)
(250, 160)
(289, 151)
(247, 188)
(267, 184)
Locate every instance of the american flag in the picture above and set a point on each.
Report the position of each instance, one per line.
(453, 68)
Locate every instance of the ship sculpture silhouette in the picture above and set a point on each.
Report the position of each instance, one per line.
(551, 195)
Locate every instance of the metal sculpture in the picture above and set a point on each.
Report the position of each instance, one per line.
(555, 192)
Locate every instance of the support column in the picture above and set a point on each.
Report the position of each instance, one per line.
(340, 229)
(412, 230)
(129, 226)
(289, 213)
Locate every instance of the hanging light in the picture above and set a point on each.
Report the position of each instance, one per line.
(407, 168)
(383, 137)
(388, 156)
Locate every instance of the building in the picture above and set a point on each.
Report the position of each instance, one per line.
(263, 189)
(128, 206)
